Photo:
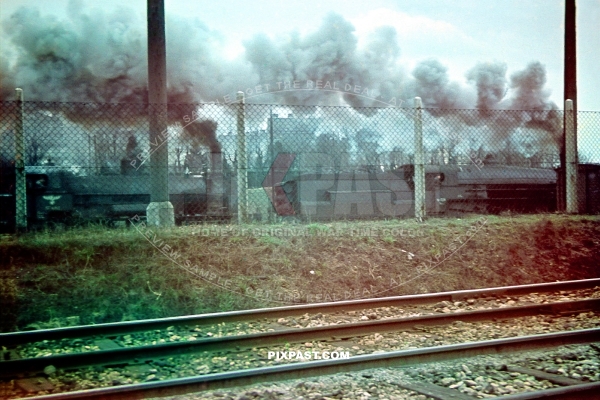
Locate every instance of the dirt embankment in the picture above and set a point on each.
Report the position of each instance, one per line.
(99, 275)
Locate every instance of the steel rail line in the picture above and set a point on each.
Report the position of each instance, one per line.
(117, 328)
(401, 358)
(330, 332)
(588, 391)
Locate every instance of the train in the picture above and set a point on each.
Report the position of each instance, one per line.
(449, 189)
(59, 195)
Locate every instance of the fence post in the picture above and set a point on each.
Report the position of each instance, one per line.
(215, 187)
(419, 178)
(242, 162)
(271, 161)
(20, 175)
(571, 158)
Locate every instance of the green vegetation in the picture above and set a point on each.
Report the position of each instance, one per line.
(95, 274)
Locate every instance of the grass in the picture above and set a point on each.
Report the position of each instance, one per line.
(94, 274)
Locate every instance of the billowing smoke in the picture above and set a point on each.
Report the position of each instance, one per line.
(529, 90)
(364, 75)
(490, 81)
(531, 94)
(377, 70)
(434, 87)
(102, 58)
(202, 133)
(327, 55)
(97, 57)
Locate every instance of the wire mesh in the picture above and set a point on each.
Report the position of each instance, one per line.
(92, 161)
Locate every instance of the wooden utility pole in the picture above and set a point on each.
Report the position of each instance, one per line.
(570, 92)
(160, 210)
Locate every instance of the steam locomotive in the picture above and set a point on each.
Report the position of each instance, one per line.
(58, 195)
(55, 194)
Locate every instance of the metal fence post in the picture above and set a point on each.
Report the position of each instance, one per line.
(242, 162)
(571, 159)
(20, 176)
(419, 178)
(271, 161)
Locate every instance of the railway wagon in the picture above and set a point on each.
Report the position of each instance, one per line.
(449, 189)
(58, 195)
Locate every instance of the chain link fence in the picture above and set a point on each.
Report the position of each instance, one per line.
(90, 161)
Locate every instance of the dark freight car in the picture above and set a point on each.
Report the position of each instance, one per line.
(55, 194)
(449, 189)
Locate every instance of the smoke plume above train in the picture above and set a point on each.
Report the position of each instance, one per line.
(97, 56)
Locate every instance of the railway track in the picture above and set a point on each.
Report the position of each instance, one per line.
(311, 314)
(569, 388)
(154, 368)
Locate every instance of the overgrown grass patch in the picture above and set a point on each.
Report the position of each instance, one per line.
(95, 274)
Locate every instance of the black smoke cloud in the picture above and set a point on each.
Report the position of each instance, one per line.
(531, 94)
(99, 57)
(434, 87)
(377, 69)
(331, 54)
(202, 133)
(102, 57)
(491, 84)
(327, 54)
(76, 60)
(529, 88)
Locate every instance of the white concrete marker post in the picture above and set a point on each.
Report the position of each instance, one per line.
(419, 170)
(242, 161)
(20, 176)
(571, 158)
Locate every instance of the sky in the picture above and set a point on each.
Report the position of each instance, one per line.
(228, 45)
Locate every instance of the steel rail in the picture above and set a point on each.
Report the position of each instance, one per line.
(323, 333)
(576, 392)
(401, 358)
(118, 328)
(587, 391)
